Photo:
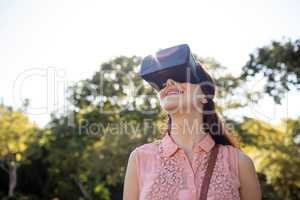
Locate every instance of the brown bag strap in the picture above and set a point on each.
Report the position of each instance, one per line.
(209, 171)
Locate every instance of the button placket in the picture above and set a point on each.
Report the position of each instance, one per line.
(194, 192)
(194, 162)
(191, 173)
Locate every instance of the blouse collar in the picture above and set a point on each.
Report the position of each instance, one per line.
(170, 147)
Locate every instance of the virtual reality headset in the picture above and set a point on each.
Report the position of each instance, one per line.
(176, 63)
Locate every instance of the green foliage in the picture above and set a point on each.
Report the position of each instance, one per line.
(83, 153)
(279, 63)
(16, 133)
(107, 125)
(276, 154)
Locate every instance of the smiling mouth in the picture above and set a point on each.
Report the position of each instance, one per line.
(178, 92)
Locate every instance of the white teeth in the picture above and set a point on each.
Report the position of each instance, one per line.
(174, 92)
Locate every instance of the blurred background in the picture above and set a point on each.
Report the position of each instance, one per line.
(72, 107)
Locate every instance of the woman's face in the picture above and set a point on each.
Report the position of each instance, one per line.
(181, 97)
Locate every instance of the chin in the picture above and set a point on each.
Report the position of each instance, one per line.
(173, 106)
(169, 105)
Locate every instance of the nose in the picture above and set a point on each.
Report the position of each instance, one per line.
(169, 82)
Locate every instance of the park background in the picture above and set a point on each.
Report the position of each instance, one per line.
(72, 107)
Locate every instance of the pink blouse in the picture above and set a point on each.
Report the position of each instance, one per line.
(164, 171)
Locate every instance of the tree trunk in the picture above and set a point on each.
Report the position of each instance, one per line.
(12, 178)
(84, 193)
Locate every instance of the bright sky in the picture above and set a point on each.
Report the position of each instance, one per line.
(72, 38)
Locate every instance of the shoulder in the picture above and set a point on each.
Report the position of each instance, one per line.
(143, 156)
(146, 149)
(231, 154)
(237, 155)
(245, 162)
(229, 149)
(250, 186)
(248, 175)
(235, 152)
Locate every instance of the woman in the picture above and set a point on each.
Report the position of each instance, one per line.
(174, 167)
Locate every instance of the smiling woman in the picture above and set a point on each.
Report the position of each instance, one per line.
(196, 158)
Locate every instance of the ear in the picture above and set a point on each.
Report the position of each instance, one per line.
(204, 100)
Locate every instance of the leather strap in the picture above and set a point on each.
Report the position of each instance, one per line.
(209, 171)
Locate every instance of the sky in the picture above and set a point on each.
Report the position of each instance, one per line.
(46, 45)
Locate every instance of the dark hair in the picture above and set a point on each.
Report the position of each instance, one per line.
(213, 123)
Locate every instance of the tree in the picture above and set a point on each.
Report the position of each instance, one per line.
(81, 151)
(16, 134)
(276, 152)
(280, 65)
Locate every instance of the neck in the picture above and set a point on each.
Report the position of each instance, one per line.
(187, 129)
